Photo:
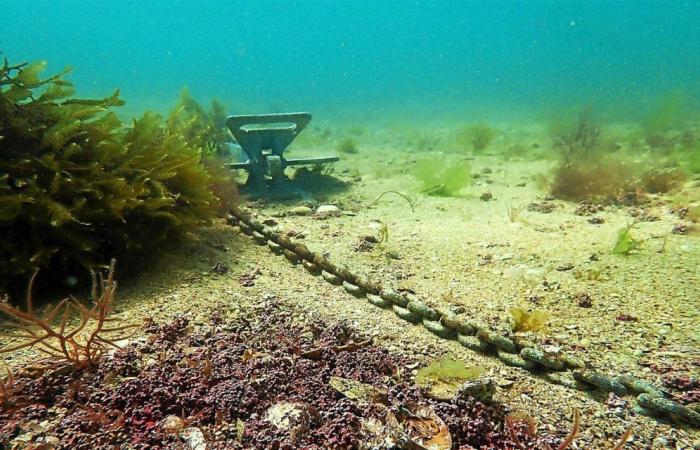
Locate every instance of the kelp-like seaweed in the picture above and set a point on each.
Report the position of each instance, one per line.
(202, 128)
(77, 186)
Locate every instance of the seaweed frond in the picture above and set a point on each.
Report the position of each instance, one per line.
(625, 243)
(52, 333)
(623, 439)
(348, 146)
(571, 436)
(514, 212)
(478, 136)
(582, 137)
(528, 422)
(410, 202)
(8, 390)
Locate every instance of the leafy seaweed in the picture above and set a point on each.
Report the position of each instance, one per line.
(78, 187)
(203, 128)
(625, 243)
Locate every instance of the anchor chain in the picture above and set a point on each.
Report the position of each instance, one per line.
(561, 368)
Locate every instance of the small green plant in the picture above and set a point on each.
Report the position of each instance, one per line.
(524, 320)
(477, 136)
(348, 146)
(625, 243)
(382, 229)
(591, 274)
(440, 178)
(443, 378)
(383, 234)
(515, 151)
(514, 212)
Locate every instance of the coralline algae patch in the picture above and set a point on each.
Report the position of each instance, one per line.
(260, 384)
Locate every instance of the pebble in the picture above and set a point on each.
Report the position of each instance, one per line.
(327, 209)
(299, 211)
(194, 438)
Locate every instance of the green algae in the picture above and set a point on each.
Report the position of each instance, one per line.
(348, 146)
(625, 243)
(440, 178)
(476, 136)
(443, 378)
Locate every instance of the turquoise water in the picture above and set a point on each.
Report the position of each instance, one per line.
(440, 61)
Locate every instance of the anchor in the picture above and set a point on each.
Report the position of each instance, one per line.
(264, 138)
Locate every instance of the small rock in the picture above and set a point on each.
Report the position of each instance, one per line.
(565, 267)
(663, 330)
(541, 207)
(219, 268)
(583, 299)
(486, 196)
(327, 209)
(293, 417)
(194, 438)
(481, 389)
(52, 441)
(393, 255)
(173, 424)
(299, 211)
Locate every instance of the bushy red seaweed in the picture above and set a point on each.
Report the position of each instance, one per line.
(223, 379)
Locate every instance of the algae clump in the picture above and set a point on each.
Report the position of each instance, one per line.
(440, 178)
(347, 145)
(478, 136)
(443, 378)
(528, 321)
(78, 187)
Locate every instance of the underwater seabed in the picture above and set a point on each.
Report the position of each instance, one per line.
(474, 286)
